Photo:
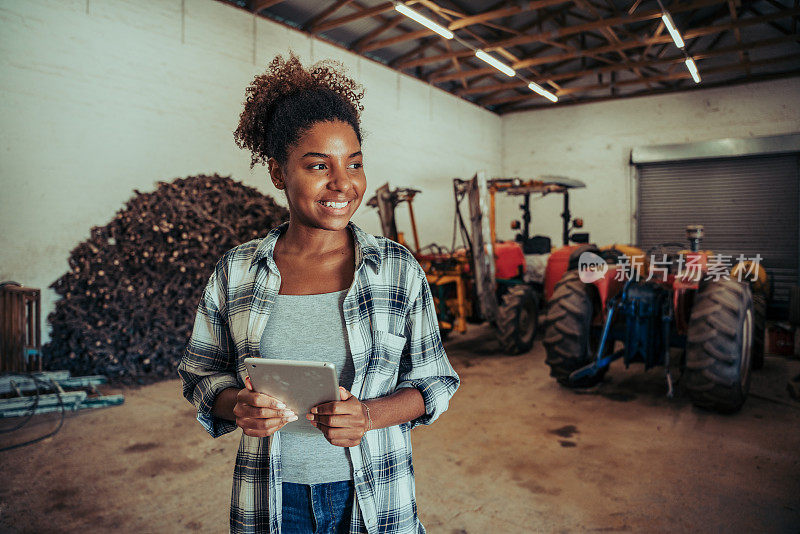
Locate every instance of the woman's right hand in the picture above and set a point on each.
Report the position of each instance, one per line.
(260, 415)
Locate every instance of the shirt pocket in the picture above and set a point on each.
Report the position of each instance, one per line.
(387, 349)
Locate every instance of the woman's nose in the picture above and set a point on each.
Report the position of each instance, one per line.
(340, 179)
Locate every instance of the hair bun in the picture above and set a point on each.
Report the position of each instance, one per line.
(288, 98)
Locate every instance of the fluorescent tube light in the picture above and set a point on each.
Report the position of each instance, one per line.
(502, 67)
(425, 21)
(672, 30)
(536, 88)
(692, 69)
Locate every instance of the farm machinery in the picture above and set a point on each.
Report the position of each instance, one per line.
(686, 301)
(484, 280)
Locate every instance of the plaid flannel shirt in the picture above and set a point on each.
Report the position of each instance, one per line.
(393, 334)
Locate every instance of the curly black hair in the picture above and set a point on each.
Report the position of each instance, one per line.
(285, 101)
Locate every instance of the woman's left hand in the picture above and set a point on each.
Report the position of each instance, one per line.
(343, 422)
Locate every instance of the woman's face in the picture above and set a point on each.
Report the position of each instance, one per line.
(324, 167)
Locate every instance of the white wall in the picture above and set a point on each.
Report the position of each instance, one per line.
(592, 142)
(100, 97)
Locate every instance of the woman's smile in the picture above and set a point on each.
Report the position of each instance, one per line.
(335, 207)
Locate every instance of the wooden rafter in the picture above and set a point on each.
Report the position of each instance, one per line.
(358, 46)
(419, 49)
(256, 6)
(318, 19)
(516, 107)
(661, 39)
(467, 21)
(610, 35)
(502, 12)
(341, 21)
(733, 6)
(571, 30)
(684, 74)
(582, 50)
(752, 9)
(675, 60)
(503, 52)
(604, 23)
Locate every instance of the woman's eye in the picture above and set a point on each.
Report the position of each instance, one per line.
(356, 165)
(318, 166)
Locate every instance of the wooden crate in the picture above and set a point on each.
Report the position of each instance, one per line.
(20, 329)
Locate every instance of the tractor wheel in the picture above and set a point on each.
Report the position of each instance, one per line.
(720, 346)
(759, 328)
(568, 337)
(517, 319)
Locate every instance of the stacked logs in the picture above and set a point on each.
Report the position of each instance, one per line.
(129, 300)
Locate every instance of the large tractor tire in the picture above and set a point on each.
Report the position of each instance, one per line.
(720, 346)
(517, 319)
(568, 337)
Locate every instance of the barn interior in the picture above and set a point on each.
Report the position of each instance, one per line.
(525, 161)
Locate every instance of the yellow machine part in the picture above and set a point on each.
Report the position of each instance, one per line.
(628, 250)
(759, 280)
(636, 255)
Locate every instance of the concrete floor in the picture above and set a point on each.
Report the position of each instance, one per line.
(515, 453)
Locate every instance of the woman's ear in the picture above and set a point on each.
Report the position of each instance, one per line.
(276, 173)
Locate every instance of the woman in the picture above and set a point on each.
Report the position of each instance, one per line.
(318, 288)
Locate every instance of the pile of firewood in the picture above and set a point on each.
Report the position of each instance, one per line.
(129, 300)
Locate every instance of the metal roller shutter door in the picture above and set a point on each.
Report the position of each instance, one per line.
(748, 205)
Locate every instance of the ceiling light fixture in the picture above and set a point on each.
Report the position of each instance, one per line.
(692, 69)
(480, 54)
(499, 65)
(668, 22)
(422, 19)
(536, 88)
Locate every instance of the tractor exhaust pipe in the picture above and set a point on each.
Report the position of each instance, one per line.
(694, 233)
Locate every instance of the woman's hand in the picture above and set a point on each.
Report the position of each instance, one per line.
(260, 415)
(343, 422)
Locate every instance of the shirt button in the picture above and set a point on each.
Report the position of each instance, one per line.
(358, 472)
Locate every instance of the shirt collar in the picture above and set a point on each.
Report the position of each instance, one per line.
(366, 247)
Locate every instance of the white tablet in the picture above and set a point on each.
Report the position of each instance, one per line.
(300, 385)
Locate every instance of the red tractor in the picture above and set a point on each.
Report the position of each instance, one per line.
(601, 297)
(485, 280)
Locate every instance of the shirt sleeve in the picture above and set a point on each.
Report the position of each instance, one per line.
(424, 364)
(208, 364)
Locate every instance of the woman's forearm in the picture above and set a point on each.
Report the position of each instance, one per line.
(224, 403)
(402, 406)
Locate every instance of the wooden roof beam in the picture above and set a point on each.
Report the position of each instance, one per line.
(257, 6)
(684, 74)
(733, 6)
(358, 46)
(424, 45)
(661, 39)
(318, 19)
(773, 24)
(341, 21)
(502, 12)
(515, 107)
(603, 23)
(466, 21)
(616, 68)
(570, 30)
(610, 35)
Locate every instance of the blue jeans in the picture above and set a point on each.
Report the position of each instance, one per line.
(317, 508)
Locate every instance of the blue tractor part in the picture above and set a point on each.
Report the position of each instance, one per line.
(641, 317)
